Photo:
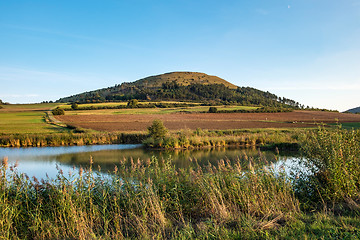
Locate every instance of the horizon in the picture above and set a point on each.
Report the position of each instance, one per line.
(306, 51)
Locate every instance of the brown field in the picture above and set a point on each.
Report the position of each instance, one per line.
(210, 121)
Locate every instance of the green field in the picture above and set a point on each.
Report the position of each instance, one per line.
(29, 118)
(26, 118)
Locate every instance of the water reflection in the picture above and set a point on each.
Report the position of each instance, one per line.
(40, 162)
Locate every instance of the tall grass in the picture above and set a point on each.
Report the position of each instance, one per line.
(333, 167)
(69, 139)
(145, 199)
(187, 139)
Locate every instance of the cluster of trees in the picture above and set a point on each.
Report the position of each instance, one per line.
(212, 94)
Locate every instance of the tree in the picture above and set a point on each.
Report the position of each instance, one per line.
(74, 106)
(212, 109)
(58, 111)
(157, 130)
(132, 103)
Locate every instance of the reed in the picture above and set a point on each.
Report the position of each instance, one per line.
(143, 199)
(69, 139)
(333, 167)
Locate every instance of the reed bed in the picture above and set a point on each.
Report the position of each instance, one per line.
(69, 139)
(151, 199)
(144, 200)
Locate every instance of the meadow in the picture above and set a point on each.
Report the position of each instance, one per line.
(26, 118)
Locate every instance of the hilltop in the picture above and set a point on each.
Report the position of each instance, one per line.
(182, 78)
(183, 86)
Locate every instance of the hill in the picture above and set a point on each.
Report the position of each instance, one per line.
(354, 110)
(183, 86)
(182, 78)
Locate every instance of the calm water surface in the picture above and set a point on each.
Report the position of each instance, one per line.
(46, 161)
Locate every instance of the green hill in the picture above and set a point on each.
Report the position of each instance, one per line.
(183, 86)
(181, 78)
(354, 110)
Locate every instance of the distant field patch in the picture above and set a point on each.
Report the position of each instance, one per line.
(157, 110)
(26, 118)
(28, 107)
(114, 104)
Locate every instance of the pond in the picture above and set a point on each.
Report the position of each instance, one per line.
(46, 161)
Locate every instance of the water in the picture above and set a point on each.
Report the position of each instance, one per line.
(46, 161)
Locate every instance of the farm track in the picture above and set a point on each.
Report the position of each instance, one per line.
(217, 121)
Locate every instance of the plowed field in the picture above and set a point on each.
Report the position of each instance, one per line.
(211, 121)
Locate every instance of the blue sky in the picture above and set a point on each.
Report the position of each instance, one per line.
(306, 50)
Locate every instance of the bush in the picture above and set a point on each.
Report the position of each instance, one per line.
(58, 111)
(74, 106)
(212, 110)
(133, 103)
(157, 130)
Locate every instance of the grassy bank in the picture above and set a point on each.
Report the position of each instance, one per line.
(146, 199)
(187, 139)
(69, 139)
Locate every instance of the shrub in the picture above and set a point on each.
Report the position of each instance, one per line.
(58, 111)
(157, 130)
(212, 110)
(133, 103)
(74, 106)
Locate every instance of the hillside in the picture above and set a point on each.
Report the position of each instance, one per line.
(183, 86)
(354, 110)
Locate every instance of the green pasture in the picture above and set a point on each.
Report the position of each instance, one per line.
(32, 121)
(25, 107)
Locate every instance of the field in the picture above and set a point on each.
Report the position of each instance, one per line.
(114, 104)
(129, 120)
(29, 118)
(26, 118)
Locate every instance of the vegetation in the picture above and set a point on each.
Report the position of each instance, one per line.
(333, 163)
(74, 106)
(157, 130)
(213, 109)
(184, 86)
(69, 139)
(146, 199)
(58, 111)
(187, 139)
